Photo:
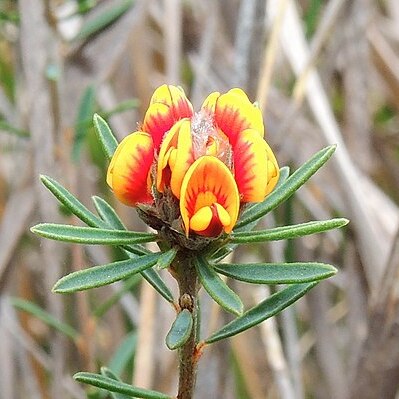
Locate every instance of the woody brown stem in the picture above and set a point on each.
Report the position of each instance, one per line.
(188, 286)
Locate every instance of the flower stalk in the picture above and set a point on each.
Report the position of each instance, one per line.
(187, 279)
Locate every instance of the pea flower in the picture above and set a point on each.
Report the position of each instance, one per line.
(194, 171)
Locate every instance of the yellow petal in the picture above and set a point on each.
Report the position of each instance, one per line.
(209, 183)
(210, 102)
(175, 157)
(201, 219)
(129, 171)
(255, 167)
(210, 220)
(273, 170)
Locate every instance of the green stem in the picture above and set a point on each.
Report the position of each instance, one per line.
(188, 286)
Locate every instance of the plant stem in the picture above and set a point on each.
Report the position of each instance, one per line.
(188, 286)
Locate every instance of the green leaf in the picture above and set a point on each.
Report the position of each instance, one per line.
(91, 235)
(86, 109)
(107, 213)
(284, 173)
(98, 276)
(72, 203)
(166, 258)
(180, 330)
(105, 135)
(292, 184)
(269, 307)
(155, 280)
(124, 353)
(106, 372)
(78, 209)
(116, 386)
(121, 107)
(107, 17)
(288, 232)
(46, 317)
(277, 273)
(217, 288)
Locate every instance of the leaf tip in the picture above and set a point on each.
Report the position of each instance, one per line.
(35, 229)
(56, 288)
(239, 311)
(345, 221)
(43, 178)
(78, 376)
(97, 118)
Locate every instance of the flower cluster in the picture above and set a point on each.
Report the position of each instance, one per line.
(209, 162)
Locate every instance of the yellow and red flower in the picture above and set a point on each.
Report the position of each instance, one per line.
(211, 161)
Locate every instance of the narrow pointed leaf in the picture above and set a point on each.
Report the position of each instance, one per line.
(155, 280)
(288, 232)
(106, 372)
(217, 288)
(116, 386)
(264, 310)
(107, 213)
(132, 251)
(277, 273)
(45, 317)
(166, 258)
(72, 203)
(98, 276)
(180, 330)
(105, 135)
(109, 216)
(86, 108)
(101, 21)
(91, 235)
(284, 174)
(296, 180)
(124, 353)
(121, 107)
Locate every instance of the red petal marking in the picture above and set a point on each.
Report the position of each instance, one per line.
(235, 113)
(130, 169)
(252, 158)
(168, 105)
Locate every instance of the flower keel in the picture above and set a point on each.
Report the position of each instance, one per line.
(209, 199)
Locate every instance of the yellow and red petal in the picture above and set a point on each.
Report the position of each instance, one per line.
(175, 157)
(233, 113)
(255, 166)
(168, 105)
(129, 173)
(273, 170)
(210, 102)
(209, 199)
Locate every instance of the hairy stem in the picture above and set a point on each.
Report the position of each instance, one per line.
(188, 286)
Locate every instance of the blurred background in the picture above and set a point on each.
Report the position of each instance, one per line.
(323, 72)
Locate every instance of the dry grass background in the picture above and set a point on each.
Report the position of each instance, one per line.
(323, 72)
